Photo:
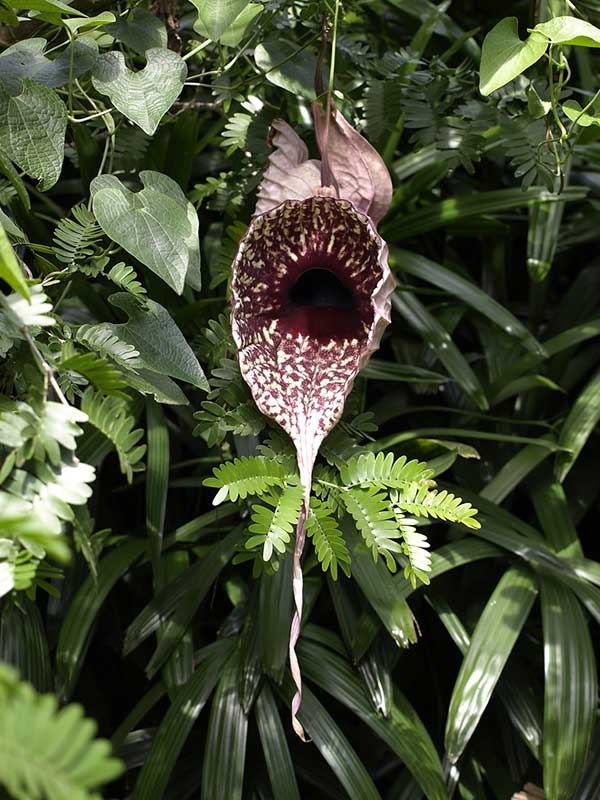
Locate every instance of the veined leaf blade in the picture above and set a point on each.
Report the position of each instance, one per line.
(493, 639)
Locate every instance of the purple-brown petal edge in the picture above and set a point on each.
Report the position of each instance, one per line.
(359, 171)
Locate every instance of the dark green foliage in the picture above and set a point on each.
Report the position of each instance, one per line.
(148, 511)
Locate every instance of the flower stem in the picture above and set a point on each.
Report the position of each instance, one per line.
(333, 48)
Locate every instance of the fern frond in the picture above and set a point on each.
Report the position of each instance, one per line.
(415, 547)
(49, 753)
(75, 239)
(18, 422)
(32, 313)
(215, 342)
(203, 191)
(58, 489)
(226, 253)
(105, 377)
(104, 342)
(384, 470)
(376, 521)
(58, 426)
(245, 476)
(326, 486)
(126, 278)
(423, 501)
(327, 539)
(272, 524)
(22, 520)
(248, 131)
(215, 421)
(41, 500)
(25, 567)
(381, 103)
(17, 567)
(110, 415)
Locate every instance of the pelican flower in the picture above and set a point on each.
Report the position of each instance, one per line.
(310, 293)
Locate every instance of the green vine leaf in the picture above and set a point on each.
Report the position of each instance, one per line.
(504, 56)
(286, 68)
(32, 131)
(143, 97)
(573, 111)
(139, 30)
(156, 225)
(161, 346)
(235, 32)
(570, 31)
(26, 60)
(217, 15)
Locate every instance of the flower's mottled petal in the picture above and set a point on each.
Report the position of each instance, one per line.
(300, 363)
(291, 175)
(358, 169)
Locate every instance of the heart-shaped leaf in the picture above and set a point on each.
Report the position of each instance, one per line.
(217, 15)
(575, 113)
(235, 32)
(144, 97)
(157, 225)
(26, 59)
(161, 346)
(139, 30)
(570, 30)
(286, 68)
(32, 131)
(504, 56)
(89, 23)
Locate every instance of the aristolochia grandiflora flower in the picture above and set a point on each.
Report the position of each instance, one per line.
(311, 293)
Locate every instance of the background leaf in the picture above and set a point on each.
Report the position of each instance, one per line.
(32, 131)
(156, 225)
(145, 96)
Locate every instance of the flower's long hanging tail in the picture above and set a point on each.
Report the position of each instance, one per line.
(297, 589)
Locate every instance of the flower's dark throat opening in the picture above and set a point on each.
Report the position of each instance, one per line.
(321, 288)
(321, 306)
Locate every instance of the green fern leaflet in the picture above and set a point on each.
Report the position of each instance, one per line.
(49, 753)
(245, 476)
(272, 524)
(328, 541)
